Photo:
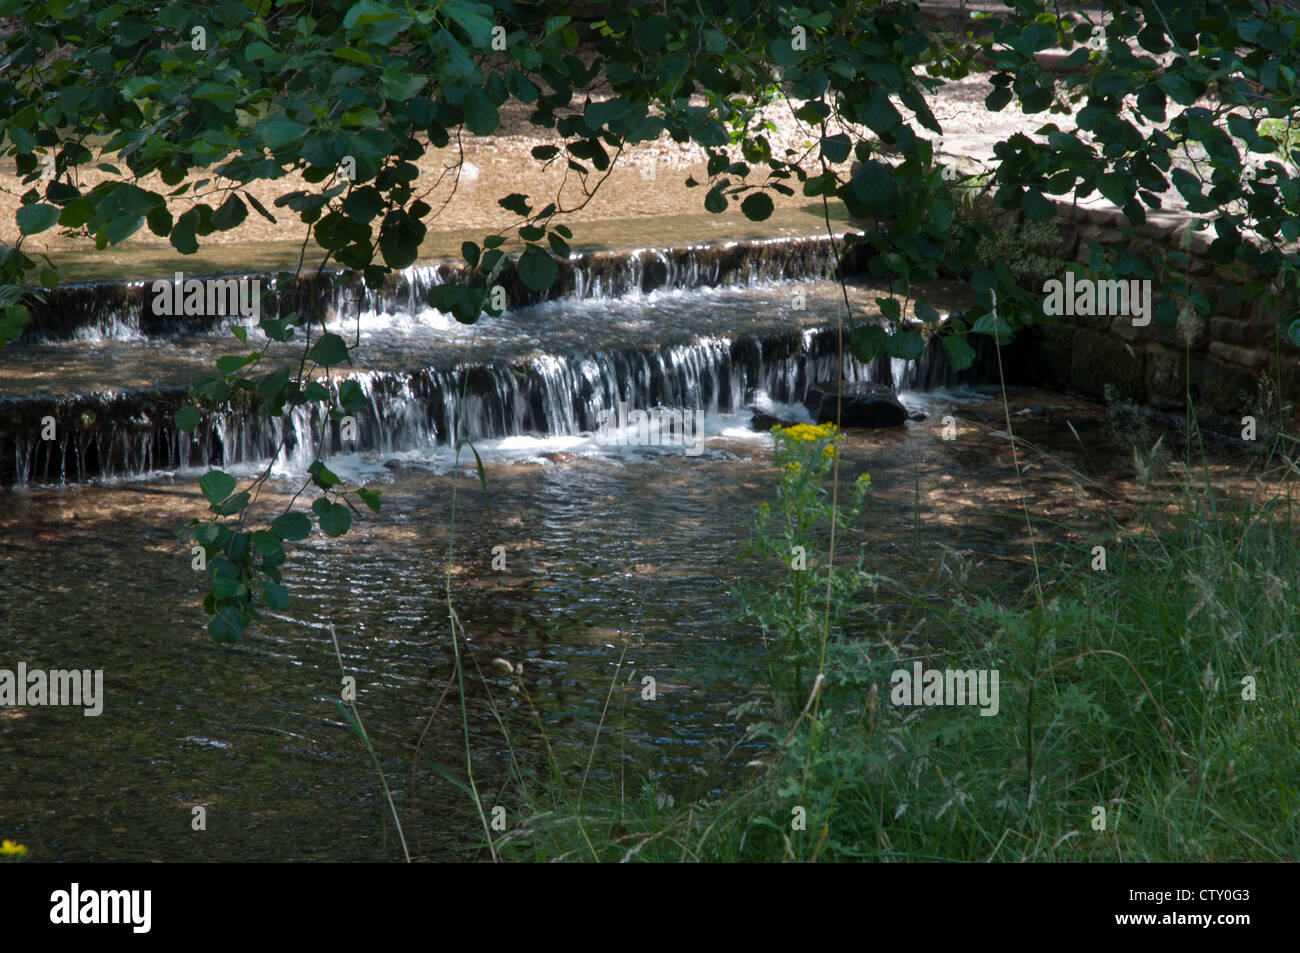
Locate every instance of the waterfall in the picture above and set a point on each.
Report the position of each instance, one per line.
(124, 310)
(559, 368)
(130, 433)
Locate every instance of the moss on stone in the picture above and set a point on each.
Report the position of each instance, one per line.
(1101, 359)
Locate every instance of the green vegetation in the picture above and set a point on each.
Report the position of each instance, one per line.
(190, 104)
(1156, 690)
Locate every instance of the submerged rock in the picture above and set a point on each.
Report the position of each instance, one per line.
(862, 404)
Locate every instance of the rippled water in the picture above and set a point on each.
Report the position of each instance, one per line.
(619, 564)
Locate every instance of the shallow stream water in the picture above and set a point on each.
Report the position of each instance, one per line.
(620, 563)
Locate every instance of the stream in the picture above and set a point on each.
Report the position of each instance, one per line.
(621, 561)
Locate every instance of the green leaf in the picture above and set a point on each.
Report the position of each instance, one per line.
(986, 325)
(757, 206)
(268, 543)
(227, 364)
(227, 625)
(471, 18)
(232, 505)
(402, 88)
(216, 485)
(349, 718)
(480, 113)
(120, 228)
(335, 520)
(537, 269)
(1114, 186)
(370, 498)
(874, 185)
(323, 476)
(1177, 87)
(836, 148)
(880, 113)
(276, 133)
(257, 50)
(276, 596)
(651, 33)
(292, 526)
(997, 100)
(183, 232)
(1151, 102)
(905, 344)
(219, 95)
(261, 209)
(960, 354)
(400, 239)
(824, 184)
(455, 299)
(271, 384)
(558, 245)
(514, 202)
(330, 351)
(34, 219)
(1037, 208)
(868, 343)
(351, 397)
(211, 534)
(187, 418)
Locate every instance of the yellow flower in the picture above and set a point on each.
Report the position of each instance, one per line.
(10, 849)
(793, 467)
(807, 433)
(865, 479)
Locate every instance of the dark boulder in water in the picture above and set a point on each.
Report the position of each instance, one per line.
(763, 421)
(862, 404)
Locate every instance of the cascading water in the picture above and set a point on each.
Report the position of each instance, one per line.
(125, 310)
(700, 329)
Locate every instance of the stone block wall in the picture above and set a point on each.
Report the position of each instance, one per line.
(1235, 359)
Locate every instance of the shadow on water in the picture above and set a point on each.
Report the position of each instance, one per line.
(618, 565)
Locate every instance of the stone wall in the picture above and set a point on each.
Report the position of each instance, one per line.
(1235, 357)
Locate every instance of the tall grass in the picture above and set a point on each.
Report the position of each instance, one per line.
(1146, 709)
(1147, 713)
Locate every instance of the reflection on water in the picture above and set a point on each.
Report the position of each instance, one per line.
(618, 565)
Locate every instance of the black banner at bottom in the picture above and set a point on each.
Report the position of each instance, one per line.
(341, 903)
